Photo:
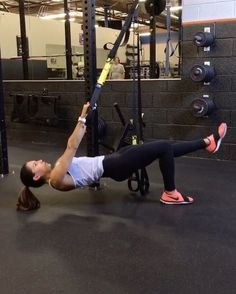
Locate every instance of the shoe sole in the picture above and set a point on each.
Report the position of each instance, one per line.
(175, 202)
(221, 138)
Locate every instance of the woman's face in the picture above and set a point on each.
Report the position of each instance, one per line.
(39, 167)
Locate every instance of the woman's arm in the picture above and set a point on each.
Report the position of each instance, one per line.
(62, 164)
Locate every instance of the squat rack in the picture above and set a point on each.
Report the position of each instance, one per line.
(93, 88)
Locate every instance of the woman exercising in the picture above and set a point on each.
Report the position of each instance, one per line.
(71, 172)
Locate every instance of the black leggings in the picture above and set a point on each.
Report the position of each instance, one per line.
(122, 164)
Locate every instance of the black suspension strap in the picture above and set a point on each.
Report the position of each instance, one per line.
(169, 45)
(124, 43)
(111, 55)
(134, 91)
(140, 113)
(139, 180)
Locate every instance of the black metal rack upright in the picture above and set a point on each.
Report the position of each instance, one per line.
(90, 71)
(4, 169)
(93, 88)
(24, 44)
(68, 41)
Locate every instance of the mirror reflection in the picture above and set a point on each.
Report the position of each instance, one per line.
(153, 40)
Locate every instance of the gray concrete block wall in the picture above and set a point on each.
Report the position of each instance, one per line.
(166, 103)
(167, 113)
(196, 10)
(222, 57)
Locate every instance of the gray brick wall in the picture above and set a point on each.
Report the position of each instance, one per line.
(166, 103)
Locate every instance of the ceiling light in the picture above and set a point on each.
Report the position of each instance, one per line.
(144, 34)
(175, 8)
(71, 19)
(53, 16)
(174, 16)
(62, 15)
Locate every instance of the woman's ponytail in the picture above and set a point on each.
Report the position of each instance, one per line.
(27, 200)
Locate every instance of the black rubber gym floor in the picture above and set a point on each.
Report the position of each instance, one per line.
(92, 242)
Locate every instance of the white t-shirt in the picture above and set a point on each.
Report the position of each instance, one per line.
(117, 71)
(86, 170)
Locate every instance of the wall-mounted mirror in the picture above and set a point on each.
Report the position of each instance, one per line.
(45, 38)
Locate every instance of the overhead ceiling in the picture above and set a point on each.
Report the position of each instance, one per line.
(116, 9)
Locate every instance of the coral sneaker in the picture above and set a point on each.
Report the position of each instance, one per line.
(216, 139)
(175, 198)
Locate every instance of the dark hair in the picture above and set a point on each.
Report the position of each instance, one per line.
(26, 200)
(118, 58)
(26, 177)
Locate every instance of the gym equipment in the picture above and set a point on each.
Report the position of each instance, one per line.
(157, 5)
(93, 87)
(68, 48)
(125, 41)
(20, 111)
(169, 45)
(139, 181)
(204, 39)
(143, 187)
(48, 56)
(46, 110)
(203, 107)
(40, 109)
(202, 73)
(128, 132)
(24, 43)
(102, 128)
(111, 55)
(4, 167)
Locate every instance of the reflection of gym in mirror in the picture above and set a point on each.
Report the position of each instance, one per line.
(51, 41)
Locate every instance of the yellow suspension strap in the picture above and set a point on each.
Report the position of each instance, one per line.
(111, 55)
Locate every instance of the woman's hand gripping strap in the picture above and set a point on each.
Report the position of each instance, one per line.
(83, 116)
